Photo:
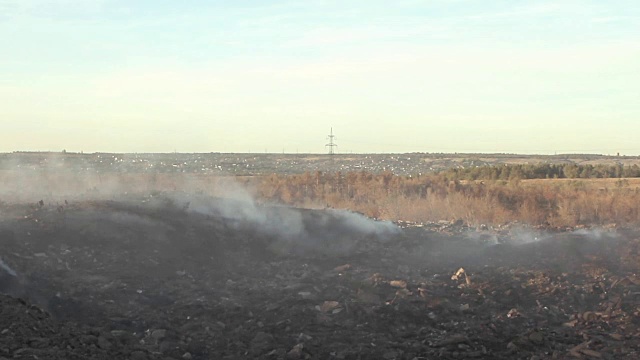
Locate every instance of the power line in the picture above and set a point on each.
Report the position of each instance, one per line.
(331, 144)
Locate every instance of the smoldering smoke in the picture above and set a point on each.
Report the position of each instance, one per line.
(7, 269)
(331, 231)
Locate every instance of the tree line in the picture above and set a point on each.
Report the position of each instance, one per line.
(542, 171)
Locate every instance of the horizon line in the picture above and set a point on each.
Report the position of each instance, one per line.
(317, 153)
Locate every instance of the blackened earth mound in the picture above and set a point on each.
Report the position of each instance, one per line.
(194, 279)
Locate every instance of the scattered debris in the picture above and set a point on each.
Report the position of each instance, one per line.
(342, 268)
(398, 283)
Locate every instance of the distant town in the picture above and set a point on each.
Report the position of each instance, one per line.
(244, 164)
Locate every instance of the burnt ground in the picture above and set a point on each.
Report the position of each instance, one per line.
(159, 280)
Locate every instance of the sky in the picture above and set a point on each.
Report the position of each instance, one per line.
(489, 76)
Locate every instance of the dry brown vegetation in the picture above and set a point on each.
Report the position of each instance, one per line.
(426, 198)
(550, 202)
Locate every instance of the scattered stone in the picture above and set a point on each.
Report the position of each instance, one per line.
(307, 295)
(329, 306)
(261, 342)
(159, 334)
(390, 355)
(119, 333)
(38, 343)
(296, 352)
(103, 343)
(453, 339)
(138, 355)
(536, 337)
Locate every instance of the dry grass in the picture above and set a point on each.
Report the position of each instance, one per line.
(594, 184)
(552, 202)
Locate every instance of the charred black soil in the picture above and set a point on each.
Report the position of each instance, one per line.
(164, 279)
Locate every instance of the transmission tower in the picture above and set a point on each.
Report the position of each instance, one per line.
(331, 144)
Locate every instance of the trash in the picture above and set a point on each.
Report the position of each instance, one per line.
(422, 292)
(398, 283)
(329, 306)
(513, 313)
(458, 274)
(342, 268)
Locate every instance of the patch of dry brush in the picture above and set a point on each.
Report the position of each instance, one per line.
(434, 197)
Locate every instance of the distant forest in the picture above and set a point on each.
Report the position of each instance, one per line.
(542, 171)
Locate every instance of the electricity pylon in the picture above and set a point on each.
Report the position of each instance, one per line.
(331, 144)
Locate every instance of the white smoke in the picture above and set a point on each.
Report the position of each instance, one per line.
(596, 234)
(6, 268)
(364, 224)
(523, 235)
(293, 229)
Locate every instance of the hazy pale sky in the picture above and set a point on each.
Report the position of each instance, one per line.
(260, 75)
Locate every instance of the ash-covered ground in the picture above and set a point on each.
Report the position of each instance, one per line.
(177, 276)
